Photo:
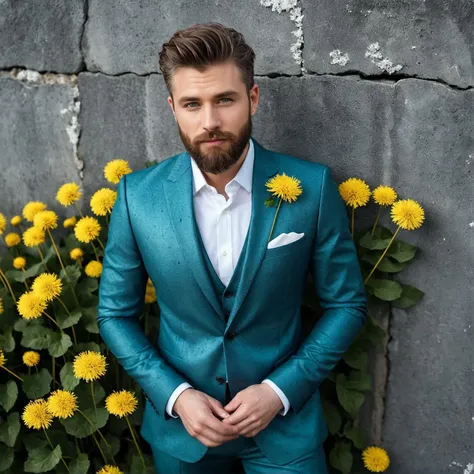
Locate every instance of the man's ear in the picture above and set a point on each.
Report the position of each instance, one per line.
(170, 101)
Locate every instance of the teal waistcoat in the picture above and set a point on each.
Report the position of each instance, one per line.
(225, 294)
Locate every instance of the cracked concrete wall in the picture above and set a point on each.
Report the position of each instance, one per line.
(379, 89)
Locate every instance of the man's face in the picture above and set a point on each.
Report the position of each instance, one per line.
(213, 104)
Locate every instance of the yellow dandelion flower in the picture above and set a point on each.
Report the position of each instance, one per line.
(89, 365)
(33, 236)
(1, 306)
(286, 187)
(12, 239)
(407, 214)
(19, 263)
(68, 194)
(76, 254)
(47, 285)
(32, 208)
(62, 404)
(103, 201)
(3, 223)
(115, 169)
(375, 459)
(31, 358)
(30, 305)
(109, 469)
(122, 403)
(384, 195)
(93, 269)
(355, 192)
(36, 415)
(46, 220)
(87, 229)
(150, 292)
(15, 220)
(2, 358)
(69, 222)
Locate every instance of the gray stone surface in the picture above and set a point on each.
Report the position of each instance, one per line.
(430, 39)
(44, 35)
(146, 24)
(36, 152)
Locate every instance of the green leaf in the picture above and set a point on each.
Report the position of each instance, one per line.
(332, 416)
(60, 342)
(68, 380)
(42, 459)
(358, 380)
(84, 394)
(8, 395)
(409, 297)
(10, 429)
(72, 274)
(89, 319)
(34, 440)
(36, 337)
(85, 290)
(378, 241)
(356, 435)
(356, 357)
(386, 265)
(386, 290)
(137, 465)
(340, 457)
(37, 385)
(80, 465)
(66, 320)
(79, 427)
(21, 324)
(113, 448)
(373, 332)
(351, 400)
(401, 251)
(87, 346)
(7, 455)
(7, 341)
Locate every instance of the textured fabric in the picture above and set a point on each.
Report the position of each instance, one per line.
(253, 460)
(152, 233)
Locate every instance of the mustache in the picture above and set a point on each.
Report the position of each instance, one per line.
(213, 136)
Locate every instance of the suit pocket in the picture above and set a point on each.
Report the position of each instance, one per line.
(287, 249)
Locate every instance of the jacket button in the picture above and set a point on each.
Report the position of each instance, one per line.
(228, 294)
(231, 335)
(220, 380)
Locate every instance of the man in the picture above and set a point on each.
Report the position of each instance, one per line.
(230, 375)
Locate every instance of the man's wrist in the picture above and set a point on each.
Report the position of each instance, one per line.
(174, 396)
(179, 401)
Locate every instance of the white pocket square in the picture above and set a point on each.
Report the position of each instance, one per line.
(284, 239)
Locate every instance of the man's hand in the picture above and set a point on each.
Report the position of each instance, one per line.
(199, 413)
(253, 409)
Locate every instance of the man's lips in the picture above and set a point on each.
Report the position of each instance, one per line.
(212, 141)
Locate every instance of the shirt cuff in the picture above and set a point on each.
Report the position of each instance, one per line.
(283, 398)
(174, 396)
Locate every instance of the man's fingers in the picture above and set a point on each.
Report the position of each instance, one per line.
(233, 404)
(220, 428)
(236, 417)
(217, 408)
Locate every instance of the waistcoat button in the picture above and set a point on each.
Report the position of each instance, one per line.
(220, 380)
(231, 335)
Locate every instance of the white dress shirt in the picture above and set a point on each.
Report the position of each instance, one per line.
(223, 226)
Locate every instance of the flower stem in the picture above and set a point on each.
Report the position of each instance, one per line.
(274, 219)
(69, 313)
(135, 441)
(95, 251)
(101, 435)
(382, 256)
(376, 220)
(56, 250)
(353, 212)
(7, 284)
(52, 447)
(93, 398)
(100, 449)
(13, 373)
(78, 210)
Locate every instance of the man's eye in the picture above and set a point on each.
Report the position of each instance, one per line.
(226, 98)
(190, 103)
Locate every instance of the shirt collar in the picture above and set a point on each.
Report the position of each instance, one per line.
(243, 176)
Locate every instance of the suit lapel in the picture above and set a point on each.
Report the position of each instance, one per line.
(178, 192)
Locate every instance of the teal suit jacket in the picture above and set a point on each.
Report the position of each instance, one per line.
(152, 233)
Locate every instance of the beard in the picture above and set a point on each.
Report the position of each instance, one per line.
(218, 158)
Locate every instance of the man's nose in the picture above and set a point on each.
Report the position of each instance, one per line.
(210, 119)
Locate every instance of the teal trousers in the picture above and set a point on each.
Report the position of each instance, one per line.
(219, 460)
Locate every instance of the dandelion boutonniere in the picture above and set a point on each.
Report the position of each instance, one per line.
(287, 188)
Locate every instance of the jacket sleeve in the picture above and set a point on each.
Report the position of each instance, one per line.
(121, 300)
(339, 284)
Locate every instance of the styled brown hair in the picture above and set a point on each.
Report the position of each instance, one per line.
(202, 45)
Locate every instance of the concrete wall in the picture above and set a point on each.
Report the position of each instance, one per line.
(376, 89)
